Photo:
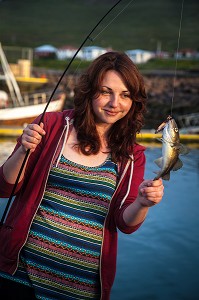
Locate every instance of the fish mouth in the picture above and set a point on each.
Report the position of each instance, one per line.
(163, 124)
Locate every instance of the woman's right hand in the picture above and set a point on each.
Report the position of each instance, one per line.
(32, 136)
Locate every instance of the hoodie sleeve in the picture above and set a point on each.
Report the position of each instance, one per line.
(137, 178)
(5, 187)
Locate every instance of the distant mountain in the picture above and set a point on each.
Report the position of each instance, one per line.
(143, 24)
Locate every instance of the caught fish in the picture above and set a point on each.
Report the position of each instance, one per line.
(171, 149)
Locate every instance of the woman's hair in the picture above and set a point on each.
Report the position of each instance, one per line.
(122, 134)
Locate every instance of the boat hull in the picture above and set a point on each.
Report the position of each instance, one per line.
(19, 116)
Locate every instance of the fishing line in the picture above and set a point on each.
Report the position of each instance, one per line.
(69, 64)
(88, 37)
(92, 39)
(80, 61)
(177, 53)
(120, 12)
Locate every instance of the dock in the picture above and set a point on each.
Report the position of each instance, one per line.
(145, 135)
(37, 80)
(11, 131)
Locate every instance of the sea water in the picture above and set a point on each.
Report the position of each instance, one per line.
(160, 261)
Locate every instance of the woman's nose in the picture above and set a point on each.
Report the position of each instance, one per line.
(114, 100)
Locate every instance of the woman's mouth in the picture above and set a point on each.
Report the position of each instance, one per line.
(111, 113)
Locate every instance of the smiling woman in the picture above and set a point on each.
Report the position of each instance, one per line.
(83, 180)
(116, 74)
(113, 102)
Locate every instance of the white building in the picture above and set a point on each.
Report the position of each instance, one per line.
(186, 54)
(92, 52)
(67, 51)
(45, 51)
(139, 56)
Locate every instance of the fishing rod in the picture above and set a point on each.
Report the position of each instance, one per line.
(88, 37)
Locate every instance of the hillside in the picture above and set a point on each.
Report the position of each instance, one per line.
(143, 24)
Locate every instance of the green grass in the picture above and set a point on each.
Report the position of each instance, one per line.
(153, 64)
(170, 64)
(55, 64)
(67, 22)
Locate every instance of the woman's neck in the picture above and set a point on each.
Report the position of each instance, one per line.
(103, 139)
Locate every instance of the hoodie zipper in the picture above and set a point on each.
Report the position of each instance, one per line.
(100, 266)
(122, 176)
(39, 202)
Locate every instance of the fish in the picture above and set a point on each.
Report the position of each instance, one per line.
(171, 149)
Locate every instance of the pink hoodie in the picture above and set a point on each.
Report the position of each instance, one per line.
(29, 194)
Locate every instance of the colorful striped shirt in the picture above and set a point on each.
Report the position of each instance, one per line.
(62, 255)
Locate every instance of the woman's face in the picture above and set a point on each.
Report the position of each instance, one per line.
(113, 102)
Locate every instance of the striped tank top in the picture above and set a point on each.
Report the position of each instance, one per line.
(61, 258)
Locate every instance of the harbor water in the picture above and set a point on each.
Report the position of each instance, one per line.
(160, 261)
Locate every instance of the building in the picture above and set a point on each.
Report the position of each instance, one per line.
(139, 56)
(45, 51)
(186, 54)
(67, 52)
(92, 52)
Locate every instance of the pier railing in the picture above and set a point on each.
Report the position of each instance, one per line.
(188, 120)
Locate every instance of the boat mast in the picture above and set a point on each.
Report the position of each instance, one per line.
(10, 80)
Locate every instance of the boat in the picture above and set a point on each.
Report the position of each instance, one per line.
(17, 109)
(24, 114)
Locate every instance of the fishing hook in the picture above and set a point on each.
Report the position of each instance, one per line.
(88, 37)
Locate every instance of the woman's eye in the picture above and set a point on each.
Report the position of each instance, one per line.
(126, 96)
(105, 93)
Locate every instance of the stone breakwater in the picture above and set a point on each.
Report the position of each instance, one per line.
(160, 89)
(160, 86)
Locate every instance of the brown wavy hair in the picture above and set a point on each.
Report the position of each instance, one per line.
(122, 134)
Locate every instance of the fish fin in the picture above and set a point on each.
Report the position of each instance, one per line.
(159, 161)
(166, 176)
(157, 175)
(177, 165)
(183, 149)
(156, 172)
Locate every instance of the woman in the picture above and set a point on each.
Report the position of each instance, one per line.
(82, 181)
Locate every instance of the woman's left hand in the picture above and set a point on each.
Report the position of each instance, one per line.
(150, 192)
